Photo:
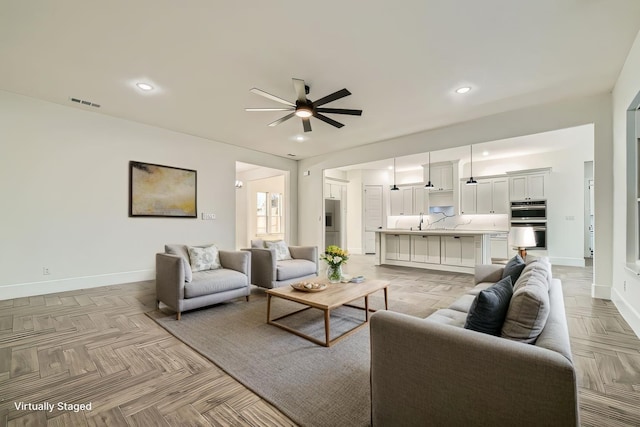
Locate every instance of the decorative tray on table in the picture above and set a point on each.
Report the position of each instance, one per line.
(309, 286)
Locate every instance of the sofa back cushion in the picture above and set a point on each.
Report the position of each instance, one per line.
(204, 258)
(182, 251)
(529, 306)
(514, 268)
(489, 308)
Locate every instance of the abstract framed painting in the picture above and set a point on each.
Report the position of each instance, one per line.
(162, 191)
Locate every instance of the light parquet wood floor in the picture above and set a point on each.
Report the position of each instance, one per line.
(97, 346)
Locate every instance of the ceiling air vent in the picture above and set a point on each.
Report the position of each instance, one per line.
(85, 102)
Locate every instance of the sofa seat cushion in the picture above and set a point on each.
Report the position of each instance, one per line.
(292, 268)
(463, 303)
(446, 316)
(209, 282)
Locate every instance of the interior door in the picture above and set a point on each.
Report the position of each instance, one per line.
(373, 214)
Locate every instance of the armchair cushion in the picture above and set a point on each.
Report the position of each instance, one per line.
(213, 281)
(292, 268)
(281, 248)
(181, 250)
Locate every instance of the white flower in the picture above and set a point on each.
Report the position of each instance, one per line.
(337, 259)
(329, 258)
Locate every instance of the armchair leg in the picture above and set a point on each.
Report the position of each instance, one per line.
(247, 298)
(157, 304)
(178, 316)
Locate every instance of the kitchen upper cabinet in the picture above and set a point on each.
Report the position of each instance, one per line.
(398, 247)
(420, 200)
(425, 249)
(527, 187)
(441, 176)
(333, 191)
(401, 201)
(489, 196)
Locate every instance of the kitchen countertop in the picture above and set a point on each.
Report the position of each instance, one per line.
(440, 232)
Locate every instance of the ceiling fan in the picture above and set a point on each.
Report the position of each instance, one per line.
(305, 108)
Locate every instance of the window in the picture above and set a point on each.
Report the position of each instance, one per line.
(269, 213)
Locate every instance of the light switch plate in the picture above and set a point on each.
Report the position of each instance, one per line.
(208, 216)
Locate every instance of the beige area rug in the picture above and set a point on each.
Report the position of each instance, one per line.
(311, 384)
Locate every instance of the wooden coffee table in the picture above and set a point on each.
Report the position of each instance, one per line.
(336, 295)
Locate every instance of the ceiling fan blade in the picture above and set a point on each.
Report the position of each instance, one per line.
(328, 120)
(306, 124)
(268, 109)
(298, 85)
(332, 97)
(272, 97)
(280, 120)
(339, 111)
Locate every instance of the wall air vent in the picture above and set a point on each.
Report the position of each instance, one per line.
(84, 102)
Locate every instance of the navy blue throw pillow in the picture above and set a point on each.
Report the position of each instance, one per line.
(514, 268)
(489, 308)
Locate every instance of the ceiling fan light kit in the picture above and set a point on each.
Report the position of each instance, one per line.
(305, 108)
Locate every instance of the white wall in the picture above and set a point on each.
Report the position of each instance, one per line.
(64, 191)
(594, 109)
(626, 284)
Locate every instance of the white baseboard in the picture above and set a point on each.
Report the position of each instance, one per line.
(571, 262)
(599, 291)
(72, 284)
(627, 311)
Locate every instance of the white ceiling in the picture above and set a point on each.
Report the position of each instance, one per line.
(401, 60)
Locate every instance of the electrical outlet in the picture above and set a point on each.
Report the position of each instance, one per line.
(45, 271)
(625, 286)
(208, 216)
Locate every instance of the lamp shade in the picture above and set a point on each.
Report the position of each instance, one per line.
(522, 237)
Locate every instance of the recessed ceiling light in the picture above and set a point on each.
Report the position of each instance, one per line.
(291, 155)
(485, 153)
(144, 86)
(464, 89)
(299, 138)
(389, 167)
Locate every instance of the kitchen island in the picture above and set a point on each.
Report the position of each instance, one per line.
(438, 249)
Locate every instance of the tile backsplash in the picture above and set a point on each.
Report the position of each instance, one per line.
(442, 221)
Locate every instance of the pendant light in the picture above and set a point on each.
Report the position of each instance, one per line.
(429, 185)
(395, 187)
(471, 181)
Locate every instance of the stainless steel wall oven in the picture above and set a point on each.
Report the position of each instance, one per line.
(531, 213)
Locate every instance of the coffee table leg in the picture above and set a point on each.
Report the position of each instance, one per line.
(366, 308)
(327, 328)
(386, 303)
(268, 308)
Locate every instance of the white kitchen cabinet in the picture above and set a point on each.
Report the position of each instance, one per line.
(333, 191)
(402, 201)
(420, 200)
(458, 250)
(527, 187)
(489, 196)
(441, 177)
(425, 249)
(398, 247)
(499, 246)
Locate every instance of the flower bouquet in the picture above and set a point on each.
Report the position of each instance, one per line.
(335, 257)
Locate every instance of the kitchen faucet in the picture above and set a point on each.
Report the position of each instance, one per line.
(421, 221)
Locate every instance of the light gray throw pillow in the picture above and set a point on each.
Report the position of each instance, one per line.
(281, 247)
(204, 258)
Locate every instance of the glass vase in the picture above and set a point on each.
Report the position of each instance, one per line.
(334, 273)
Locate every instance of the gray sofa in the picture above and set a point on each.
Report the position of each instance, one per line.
(269, 272)
(433, 371)
(181, 289)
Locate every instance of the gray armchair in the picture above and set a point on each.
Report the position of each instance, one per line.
(268, 272)
(181, 289)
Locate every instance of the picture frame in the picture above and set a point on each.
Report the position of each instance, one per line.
(162, 191)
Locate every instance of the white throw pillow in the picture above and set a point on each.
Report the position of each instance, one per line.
(282, 249)
(204, 258)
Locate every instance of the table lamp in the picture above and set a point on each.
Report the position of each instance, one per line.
(522, 238)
